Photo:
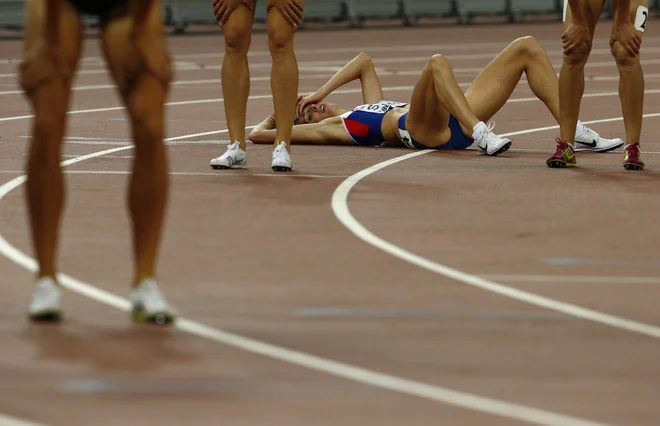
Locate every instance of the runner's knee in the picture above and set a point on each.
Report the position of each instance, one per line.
(439, 63)
(528, 46)
(280, 33)
(237, 33)
(578, 57)
(38, 68)
(623, 58)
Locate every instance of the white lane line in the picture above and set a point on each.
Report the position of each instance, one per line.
(342, 212)
(13, 421)
(381, 73)
(379, 48)
(350, 372)
(573, 279)
(255, 53)
(330, 64)
(226, 174)
(174, 83)
(336, 92)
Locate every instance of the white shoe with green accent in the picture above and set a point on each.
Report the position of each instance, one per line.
(149, 305)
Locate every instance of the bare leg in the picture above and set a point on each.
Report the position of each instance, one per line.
(631, 83)
(571, 77)
(436, 95)
(141, 70)
(494, 85)
(284, 74)
(236, 72)
(46, 77)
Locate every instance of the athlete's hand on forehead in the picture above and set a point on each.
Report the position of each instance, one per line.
(314, 98)
(291, 10)
(222, 9)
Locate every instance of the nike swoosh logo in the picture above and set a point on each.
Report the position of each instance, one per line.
(592, 144)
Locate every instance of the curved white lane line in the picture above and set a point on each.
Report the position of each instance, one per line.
(13, 421)
(343, 214)
(350, 372)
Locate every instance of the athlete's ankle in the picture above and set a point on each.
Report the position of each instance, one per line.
(478, 130)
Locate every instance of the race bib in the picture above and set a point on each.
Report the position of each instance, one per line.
(379, 107)
(642, 18)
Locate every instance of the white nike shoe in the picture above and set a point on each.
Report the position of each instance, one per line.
(590, 140)
(281, 159)
(149, 305)
(46, 301)
(233, 158)
(491, 144)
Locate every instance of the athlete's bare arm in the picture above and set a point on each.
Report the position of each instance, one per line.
(328, 132)
(361, 67)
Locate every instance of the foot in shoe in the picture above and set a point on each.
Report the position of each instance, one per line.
(233, 158)
(46, 301)
(564, 156)
(281, 159)
(149, 305)
(589, 140)
(632, 157)
(488, 142)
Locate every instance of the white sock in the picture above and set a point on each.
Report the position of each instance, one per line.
(579, 127)
(478, 130)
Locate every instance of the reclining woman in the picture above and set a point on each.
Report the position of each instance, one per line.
(439, 116)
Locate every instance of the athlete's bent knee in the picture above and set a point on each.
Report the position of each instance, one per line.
(39, 67)
(578, 57)
(152, 59)
(439, 63)
(528, 46)
(623, 58)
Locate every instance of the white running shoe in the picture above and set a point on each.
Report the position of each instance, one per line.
(590, 140)
(281, 159)
(149, 305)
(233, 158)
(46, 301)
(491, 144)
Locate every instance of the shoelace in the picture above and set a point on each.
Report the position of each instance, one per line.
(233, 147)
(281, 148)
(633, 150)
(561, 146)
(489, 136)
(592, 133)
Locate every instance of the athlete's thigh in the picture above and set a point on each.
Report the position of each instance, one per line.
(428, 121)
(592, 13)
(129, 59)
(496, 82)
(37, 59)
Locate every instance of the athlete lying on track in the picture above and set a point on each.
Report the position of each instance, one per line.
(439, 115)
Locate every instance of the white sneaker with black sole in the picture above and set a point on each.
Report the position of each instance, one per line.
(233, 158)
(491, 144)
(281, 159)
(589, 140)
(46, 304)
